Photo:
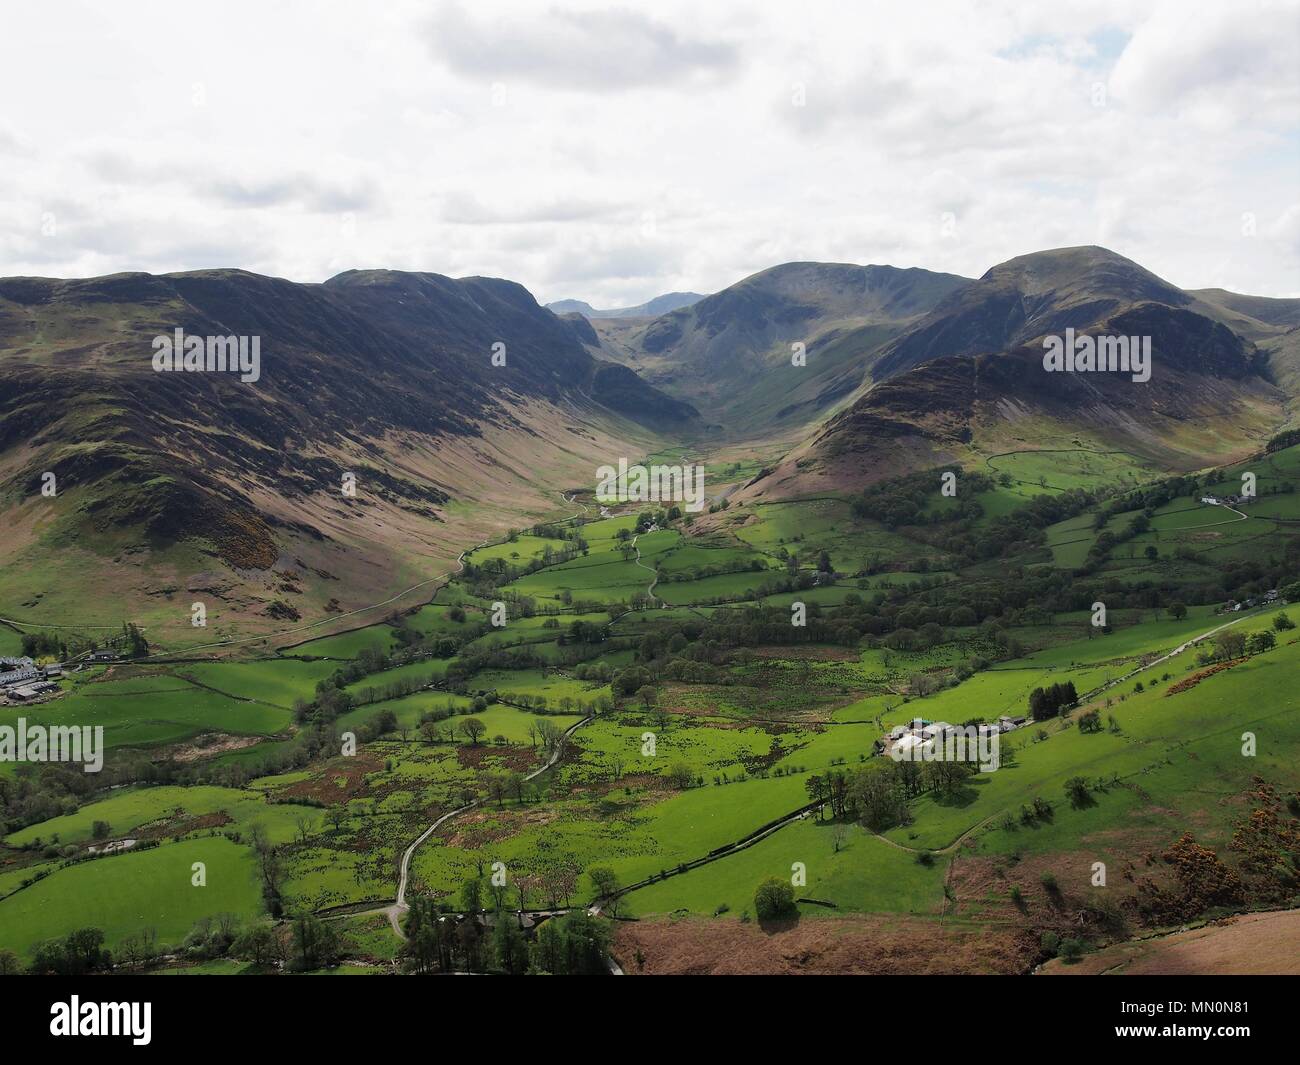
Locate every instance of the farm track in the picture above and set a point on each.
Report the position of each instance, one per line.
(1163, 658)
(1214, 524)
(650, 588)
(400, 906)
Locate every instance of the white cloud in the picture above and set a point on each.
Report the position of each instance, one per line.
(564, 48)
(600, 153)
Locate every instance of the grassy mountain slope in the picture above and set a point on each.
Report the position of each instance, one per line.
(1206, 402)
(730, 354)
(966, 380)
(176, 483)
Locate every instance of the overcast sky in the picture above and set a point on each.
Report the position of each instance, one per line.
(611, 153)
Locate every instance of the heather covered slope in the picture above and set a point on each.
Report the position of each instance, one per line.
(169, 478)
(1208, 401)
(966, 380)
(729, 354)
(1027, 297)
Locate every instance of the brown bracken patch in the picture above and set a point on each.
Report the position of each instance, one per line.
(519, 759)
(1196, 678)
(181, 825)
(866, 945)
(815, 654)
(340, 780)
(1255, 944)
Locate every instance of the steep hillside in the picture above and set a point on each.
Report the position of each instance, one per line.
(730, 354)
(1027, 297)
(201, 480)
(967, 379)
(1207, 401)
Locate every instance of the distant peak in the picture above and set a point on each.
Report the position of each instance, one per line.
(669, 301)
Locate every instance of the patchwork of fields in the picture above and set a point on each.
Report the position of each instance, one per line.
(692, 732)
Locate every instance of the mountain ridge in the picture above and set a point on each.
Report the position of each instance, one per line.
(381, 377)
(669, 301)
(391, 377)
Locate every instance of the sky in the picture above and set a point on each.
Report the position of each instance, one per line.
(611, 152)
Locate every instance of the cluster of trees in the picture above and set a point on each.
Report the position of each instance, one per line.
(482, 577)
(44, 645)
(773, 899)
(1050, 701)
(906, 500)
(317, 738)
(37, 791)
(1231, 644)
(438, 941)
(332, 700)
(713, 569)
(955, 528)
(493, 572)
(877, 793)
(76, 954)
(1285, 439)
(305, 944)
(130, 644)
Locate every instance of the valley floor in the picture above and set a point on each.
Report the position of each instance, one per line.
(646, 735)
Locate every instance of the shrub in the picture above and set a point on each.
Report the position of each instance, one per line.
(773, 898)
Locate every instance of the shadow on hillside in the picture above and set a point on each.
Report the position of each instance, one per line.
(772, 925)
(957, 797)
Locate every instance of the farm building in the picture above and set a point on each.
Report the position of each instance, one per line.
(910, 743)
(20, 676)
(25, 692)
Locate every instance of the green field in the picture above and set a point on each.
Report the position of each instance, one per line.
(128, 893)
(690, 743)
(151, 710)
(128, 811)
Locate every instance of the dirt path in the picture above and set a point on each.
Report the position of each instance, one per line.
(400, 905)
(1210, 525)
(650, 588)
(1165, 657)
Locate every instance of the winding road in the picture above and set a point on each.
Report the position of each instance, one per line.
(400, 906)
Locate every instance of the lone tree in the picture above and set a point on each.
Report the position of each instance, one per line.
(1076, 790)
(1229, 644)
(606, 882)
(774, 898)
(473, 728)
